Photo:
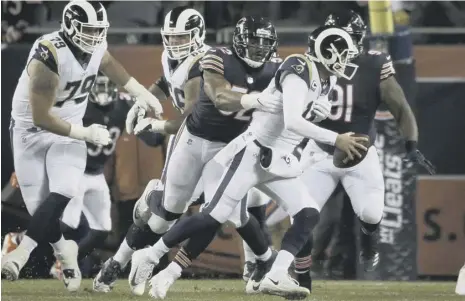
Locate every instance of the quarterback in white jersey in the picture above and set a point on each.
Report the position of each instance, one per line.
(183, 36)
(47, 134)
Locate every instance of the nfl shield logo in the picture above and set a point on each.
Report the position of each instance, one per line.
(249, 79)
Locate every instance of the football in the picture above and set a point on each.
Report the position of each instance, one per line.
(339, 156)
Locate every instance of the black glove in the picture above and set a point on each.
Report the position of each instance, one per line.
(415, 156)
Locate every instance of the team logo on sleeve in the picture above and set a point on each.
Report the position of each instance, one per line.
(43, 52)
(299, 68)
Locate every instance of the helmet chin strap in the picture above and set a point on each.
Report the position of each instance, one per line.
(251, 63)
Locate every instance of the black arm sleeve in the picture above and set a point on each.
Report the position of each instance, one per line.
(163, 84)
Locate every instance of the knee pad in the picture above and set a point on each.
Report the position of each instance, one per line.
(371, 214)
(159, 225)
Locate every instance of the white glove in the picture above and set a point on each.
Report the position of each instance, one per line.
(321, 108)
(96, 134)
(144, 96)
(137, 111)
(266, 102)
(150, 124)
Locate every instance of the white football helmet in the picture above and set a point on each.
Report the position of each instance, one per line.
(85, 24)
(183, 32)
(334, 48)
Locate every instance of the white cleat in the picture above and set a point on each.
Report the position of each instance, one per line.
(13, 262)
(141, 270)
(283, 285)
(71, 274)
(161, 283)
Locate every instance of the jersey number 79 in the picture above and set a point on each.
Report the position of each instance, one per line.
(84, 87)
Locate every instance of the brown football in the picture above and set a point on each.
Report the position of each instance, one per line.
(339, 156)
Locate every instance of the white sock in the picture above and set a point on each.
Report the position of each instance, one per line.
(124, 253)
(282, 263)
(60, 245)
(28, 244)
(158, 250)
(174, 269)
(265, 256)
(248, 253)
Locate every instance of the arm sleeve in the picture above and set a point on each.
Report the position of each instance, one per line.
(46, 53)
(294, 95)
(162, 83)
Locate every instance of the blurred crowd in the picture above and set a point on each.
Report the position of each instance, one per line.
(18, 15)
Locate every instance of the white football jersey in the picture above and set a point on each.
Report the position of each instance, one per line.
(75, 80)
(269, 128)
(179, 75)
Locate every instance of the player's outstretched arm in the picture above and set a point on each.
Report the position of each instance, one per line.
(43, 86)
(117, 74)
(393, 95)
(219, 90)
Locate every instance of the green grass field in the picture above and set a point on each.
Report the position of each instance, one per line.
(233, 290)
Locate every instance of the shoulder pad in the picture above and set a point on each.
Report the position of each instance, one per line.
(297, 64)
(46, 53)
(194, 68)
(215, 59)
(385, 63)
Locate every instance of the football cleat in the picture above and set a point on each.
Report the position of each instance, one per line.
(71, 274)
(262, 267)
(141, 270)
(283, 285)
(107, 276)
(161, 283)
(13, 262)
(249, 267)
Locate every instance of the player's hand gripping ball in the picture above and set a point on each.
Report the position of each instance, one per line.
(341, 160)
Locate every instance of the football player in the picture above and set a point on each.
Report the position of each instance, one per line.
(232, 76)
(267, 156)
(109, 107)
(183, 36)
(46, 127)
(354, 110)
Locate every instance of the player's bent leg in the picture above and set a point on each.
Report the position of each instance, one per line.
(364, 184)
(65, 163)
(320, 181)
(292, 195)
